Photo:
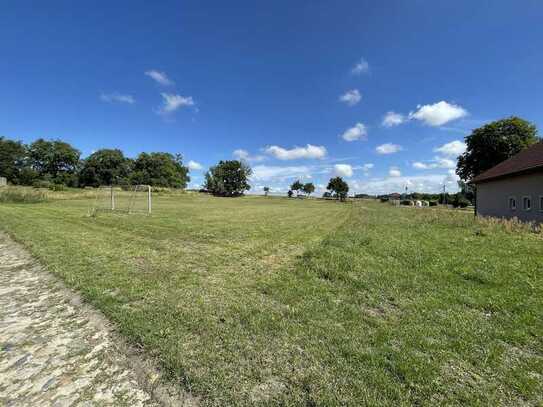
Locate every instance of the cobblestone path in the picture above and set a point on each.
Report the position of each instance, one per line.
(55, 351)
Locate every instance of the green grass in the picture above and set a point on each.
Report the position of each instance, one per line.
(304, 302)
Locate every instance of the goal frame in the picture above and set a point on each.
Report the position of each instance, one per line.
(113, 207)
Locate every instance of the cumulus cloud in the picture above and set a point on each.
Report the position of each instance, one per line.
(193, 165)
(360, 67)
(430, 183)
(394, 172)
(159, 77)
(438, 114)
(280, 173)
(116, 97)
(171, 102)
(437, 162)
(343, 170)
(392, 119)
(367, 167)
(244, 155)
(309, 151)
(357, 132)
(388, 148)
(452, 149)
(351, 97)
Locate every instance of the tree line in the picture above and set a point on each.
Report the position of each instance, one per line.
(46, 163)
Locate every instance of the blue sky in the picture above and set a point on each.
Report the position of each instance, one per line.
(297, 88)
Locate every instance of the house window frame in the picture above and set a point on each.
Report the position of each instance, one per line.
(540, 203)
(529, 197)
(512, 199)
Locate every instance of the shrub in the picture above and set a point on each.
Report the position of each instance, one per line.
(57, 187)
(42, 184)
(383, 199)
(433, 203)
(406, 202)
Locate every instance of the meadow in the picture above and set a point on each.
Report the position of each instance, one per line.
(277, 301)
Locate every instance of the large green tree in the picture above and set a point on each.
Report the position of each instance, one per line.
(228, 178)
(54, 160)
(12, 159)
(105, 167)
(339, 187)
(297, 186)
(161, 170)
(493, 143)
(308, 188)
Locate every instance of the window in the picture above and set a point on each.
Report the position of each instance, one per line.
(512, 203)
(527, 203)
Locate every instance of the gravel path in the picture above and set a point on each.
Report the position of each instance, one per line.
(56, 351)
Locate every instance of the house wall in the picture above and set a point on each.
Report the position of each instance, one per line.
(493, 197)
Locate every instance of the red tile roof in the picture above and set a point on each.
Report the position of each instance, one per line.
(528, 159)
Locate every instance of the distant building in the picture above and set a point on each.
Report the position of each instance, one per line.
(513, 188)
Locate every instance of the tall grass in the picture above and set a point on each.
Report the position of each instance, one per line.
(21, 195)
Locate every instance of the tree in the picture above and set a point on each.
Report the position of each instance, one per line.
(266, 190)
(339, 187)
(466, 190)
(54, 160)
(289, 193)
(493, 143)
(12, 159)
(296, 186)
(105, 167)
(161, 170)
(308, 188)
(228, 178)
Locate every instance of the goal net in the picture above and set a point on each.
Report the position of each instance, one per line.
(130, 200)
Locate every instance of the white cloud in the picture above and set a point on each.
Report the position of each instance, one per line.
(437, 162)
(351, 97)
(343, 170)
(361, 67)
(193, 165)
(394, 172)
(159, 77)
(452, 149)
(280, 173)
(430, 183)
(367, 167)
(392, 119)
(171, 102)
(244, 155)
(438, 114)
(388, 148)
(357, 132)
(117, 97)
(309, 151)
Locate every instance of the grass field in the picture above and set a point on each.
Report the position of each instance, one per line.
(304, 302)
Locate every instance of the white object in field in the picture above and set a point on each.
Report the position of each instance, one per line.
(3, 181)
(418, 204)
(425, 203)
(135, 199)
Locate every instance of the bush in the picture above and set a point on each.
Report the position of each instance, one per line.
(57, 187)
(383, 199)
(21, 195)
(42, 184)
(406, 202)
(433, 203)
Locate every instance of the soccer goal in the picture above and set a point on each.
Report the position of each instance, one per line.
(131, 200)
